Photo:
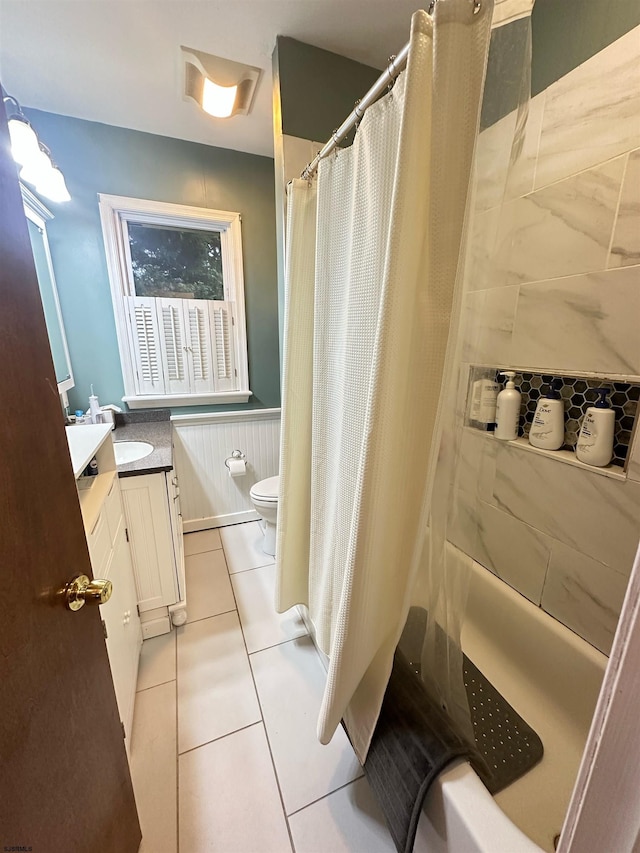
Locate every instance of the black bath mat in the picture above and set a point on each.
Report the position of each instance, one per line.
(412, 743)
(508, 744)
(414, 740)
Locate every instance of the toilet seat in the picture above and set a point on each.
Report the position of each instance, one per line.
(266, 490)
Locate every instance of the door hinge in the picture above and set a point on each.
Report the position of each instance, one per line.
(138, 609)
(235, 372)
(233, 320)
(124, 734)
(126, 533)
(104, 630)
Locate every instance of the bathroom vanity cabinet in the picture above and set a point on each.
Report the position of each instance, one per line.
(107, 538)
(152, 507)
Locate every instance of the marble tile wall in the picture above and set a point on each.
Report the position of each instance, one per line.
(553, 276)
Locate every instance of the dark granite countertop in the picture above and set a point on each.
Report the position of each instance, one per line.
(136, 427)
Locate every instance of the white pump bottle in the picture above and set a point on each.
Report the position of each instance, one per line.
(508, 409)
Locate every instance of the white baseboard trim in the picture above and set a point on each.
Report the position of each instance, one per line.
(196, 524)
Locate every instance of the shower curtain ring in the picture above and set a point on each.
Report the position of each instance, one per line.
(357, 113)
(391, 70)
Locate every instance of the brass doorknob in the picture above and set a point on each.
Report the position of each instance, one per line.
(80, 591)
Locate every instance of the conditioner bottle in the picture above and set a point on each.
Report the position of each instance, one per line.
(595, 442)
(547, 429)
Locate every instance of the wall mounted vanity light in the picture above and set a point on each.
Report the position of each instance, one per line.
(38, 169)
(222, 88)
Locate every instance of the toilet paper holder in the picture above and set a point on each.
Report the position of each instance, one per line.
(237, 454)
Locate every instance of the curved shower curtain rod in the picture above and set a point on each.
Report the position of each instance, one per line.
(395, 66)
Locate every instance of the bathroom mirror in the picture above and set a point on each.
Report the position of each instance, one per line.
(37, 216)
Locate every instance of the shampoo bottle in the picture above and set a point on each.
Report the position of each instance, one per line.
(483, 402)
(595, 442)
(547, 429)
(508, 409)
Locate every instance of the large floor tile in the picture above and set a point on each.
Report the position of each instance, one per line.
(157, 661)
(290, 681)
(347, 821)
(208, 587)
(229, 798)
(242, 545)
(153, 767)
(261, 625)
(203, 540)
(216, 695)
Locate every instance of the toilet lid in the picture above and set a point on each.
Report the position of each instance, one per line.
(266, 489)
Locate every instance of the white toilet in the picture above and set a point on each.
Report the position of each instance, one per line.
(264, 496)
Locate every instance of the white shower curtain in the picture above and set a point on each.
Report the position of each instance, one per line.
(365, 344)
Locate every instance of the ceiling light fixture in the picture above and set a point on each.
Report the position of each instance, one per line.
(38, 168)
(221, 87)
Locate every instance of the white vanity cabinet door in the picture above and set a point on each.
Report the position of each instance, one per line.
(173, 490)
(148, 514)
(111, 559)
(122, 624)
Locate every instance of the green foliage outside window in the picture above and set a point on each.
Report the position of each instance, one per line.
(176, 262)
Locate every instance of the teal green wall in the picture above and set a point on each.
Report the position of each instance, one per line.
(314, 91)
(318, 88)
(98, 158)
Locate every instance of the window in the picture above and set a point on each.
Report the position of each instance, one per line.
(178, 298)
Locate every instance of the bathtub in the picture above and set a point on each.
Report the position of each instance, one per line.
(552, 678)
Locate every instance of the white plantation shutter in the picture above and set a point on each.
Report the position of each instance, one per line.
(221, 322)
(182, 346)
(174, 343)
(200, 345)
(141, 311)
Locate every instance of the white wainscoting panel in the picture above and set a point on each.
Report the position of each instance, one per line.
(209, 497)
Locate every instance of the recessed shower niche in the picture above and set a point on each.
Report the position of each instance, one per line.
(578, 393)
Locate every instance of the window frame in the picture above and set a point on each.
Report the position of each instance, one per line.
(115, 213)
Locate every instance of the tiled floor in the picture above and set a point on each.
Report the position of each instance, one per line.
(224, 754)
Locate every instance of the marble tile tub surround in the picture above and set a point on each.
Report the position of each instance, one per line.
(625, 246)
(587, 117)
(554, 280)
(533, 522)
(591, 114)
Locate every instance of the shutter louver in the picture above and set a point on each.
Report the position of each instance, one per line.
(224, 360)
(221, 327)
(173, 341)
(144, 331)
(173, 336)
(200, 338)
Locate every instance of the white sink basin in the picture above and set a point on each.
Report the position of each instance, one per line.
(131, 451)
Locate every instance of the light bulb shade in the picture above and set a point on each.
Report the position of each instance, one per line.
(221, 87)
(24, 142)
(53, 186)
(36, 169)
(218, 101)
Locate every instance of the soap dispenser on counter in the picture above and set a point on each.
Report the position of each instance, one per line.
(508, 409)
(595, 442)
(547, 429)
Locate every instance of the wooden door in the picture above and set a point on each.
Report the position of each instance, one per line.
(64, 777)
